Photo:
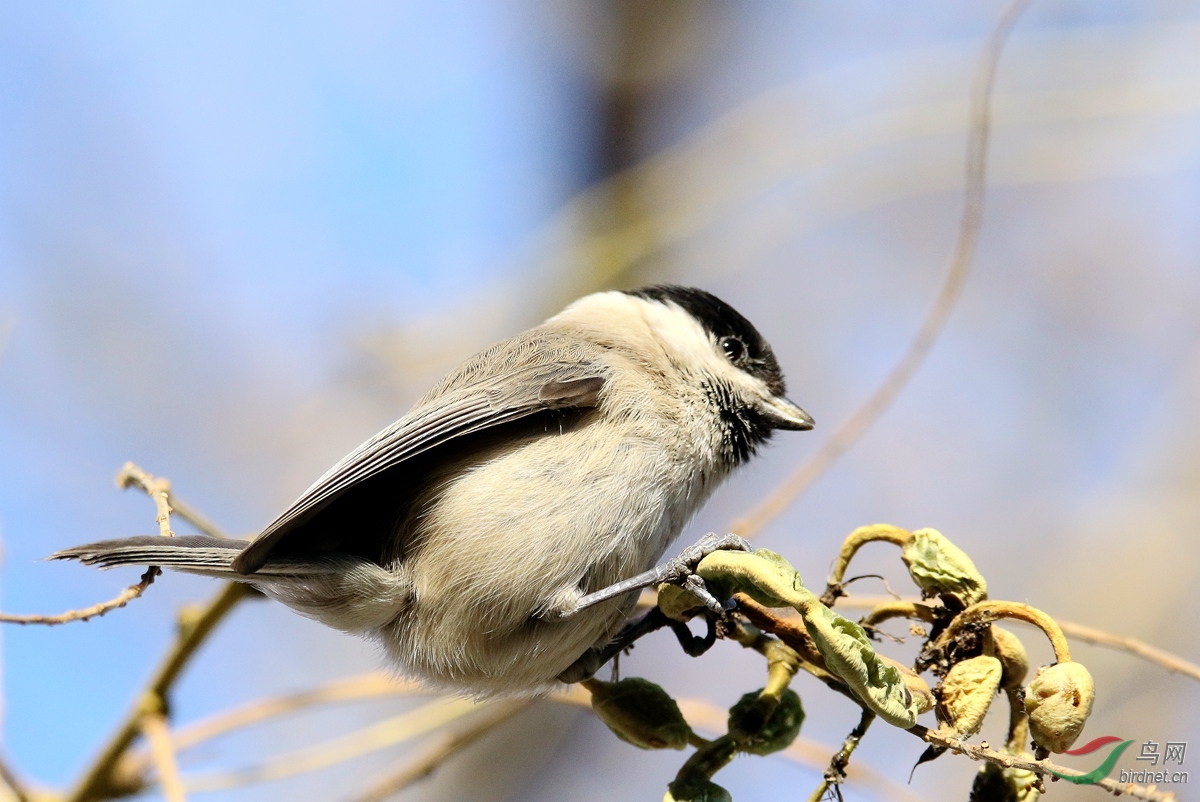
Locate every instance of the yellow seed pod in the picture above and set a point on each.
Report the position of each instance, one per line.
(678, 603)
(1058, 701)
(640, 712)
(967, 692)
(941, 568)
(1008, 649)
(994, 784)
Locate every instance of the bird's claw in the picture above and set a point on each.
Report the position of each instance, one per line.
(682, 569)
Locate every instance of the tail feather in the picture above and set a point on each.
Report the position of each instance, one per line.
(195, 553)
(340, 590)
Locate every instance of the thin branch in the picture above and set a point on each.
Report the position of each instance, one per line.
(1123, 643)
(158, 733)
(1145, 651)
(120, 600)
(835, 775)
(157, 488)
(1041, 767)
(445, 746)
(854, 427)
(14, 785)
(100, 778)
(366, 686)
(160, 490)
(414, 723)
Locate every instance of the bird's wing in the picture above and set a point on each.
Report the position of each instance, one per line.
(532, 372)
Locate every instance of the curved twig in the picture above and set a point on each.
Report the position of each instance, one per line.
(854, 427)
(1088, 634)
(85, 613)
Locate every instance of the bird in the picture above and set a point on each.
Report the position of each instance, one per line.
(494, 537)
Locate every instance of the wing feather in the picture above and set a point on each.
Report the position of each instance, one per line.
(530, 373)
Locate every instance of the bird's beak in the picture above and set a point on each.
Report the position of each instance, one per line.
(783, 414)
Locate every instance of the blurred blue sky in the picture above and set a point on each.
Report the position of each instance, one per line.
(236, 239)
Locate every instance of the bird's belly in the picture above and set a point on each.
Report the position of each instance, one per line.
(501, 544)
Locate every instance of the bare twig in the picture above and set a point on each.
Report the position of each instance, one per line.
(1083, 632)
(366, 686)
(1133, 646)
(835, 775)
(120, 600)
(158, 733)
(159, 491)
(100, 778)
(427, 718)
(15, 786)
(1042, 767)
(164, 497)
(157, 488)
(445, 746)
(865, 416)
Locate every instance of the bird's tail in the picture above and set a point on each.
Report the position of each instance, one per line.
(196, 554)
(341, 590)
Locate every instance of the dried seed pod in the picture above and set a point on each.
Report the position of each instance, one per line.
(994, 784)
(1008, 649)
(1058, 701)
(678, 603)
(967, 692)
(640, 712)
(777, 733)
(942, 569)
(696, 789)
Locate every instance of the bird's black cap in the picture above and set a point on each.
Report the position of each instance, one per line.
(722, 320)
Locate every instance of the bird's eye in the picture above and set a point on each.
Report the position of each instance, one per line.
(734, 348)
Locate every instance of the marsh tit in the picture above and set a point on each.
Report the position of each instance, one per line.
(497, 533)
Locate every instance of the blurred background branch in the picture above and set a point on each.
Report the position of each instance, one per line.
(301, 226)
(975, 185)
